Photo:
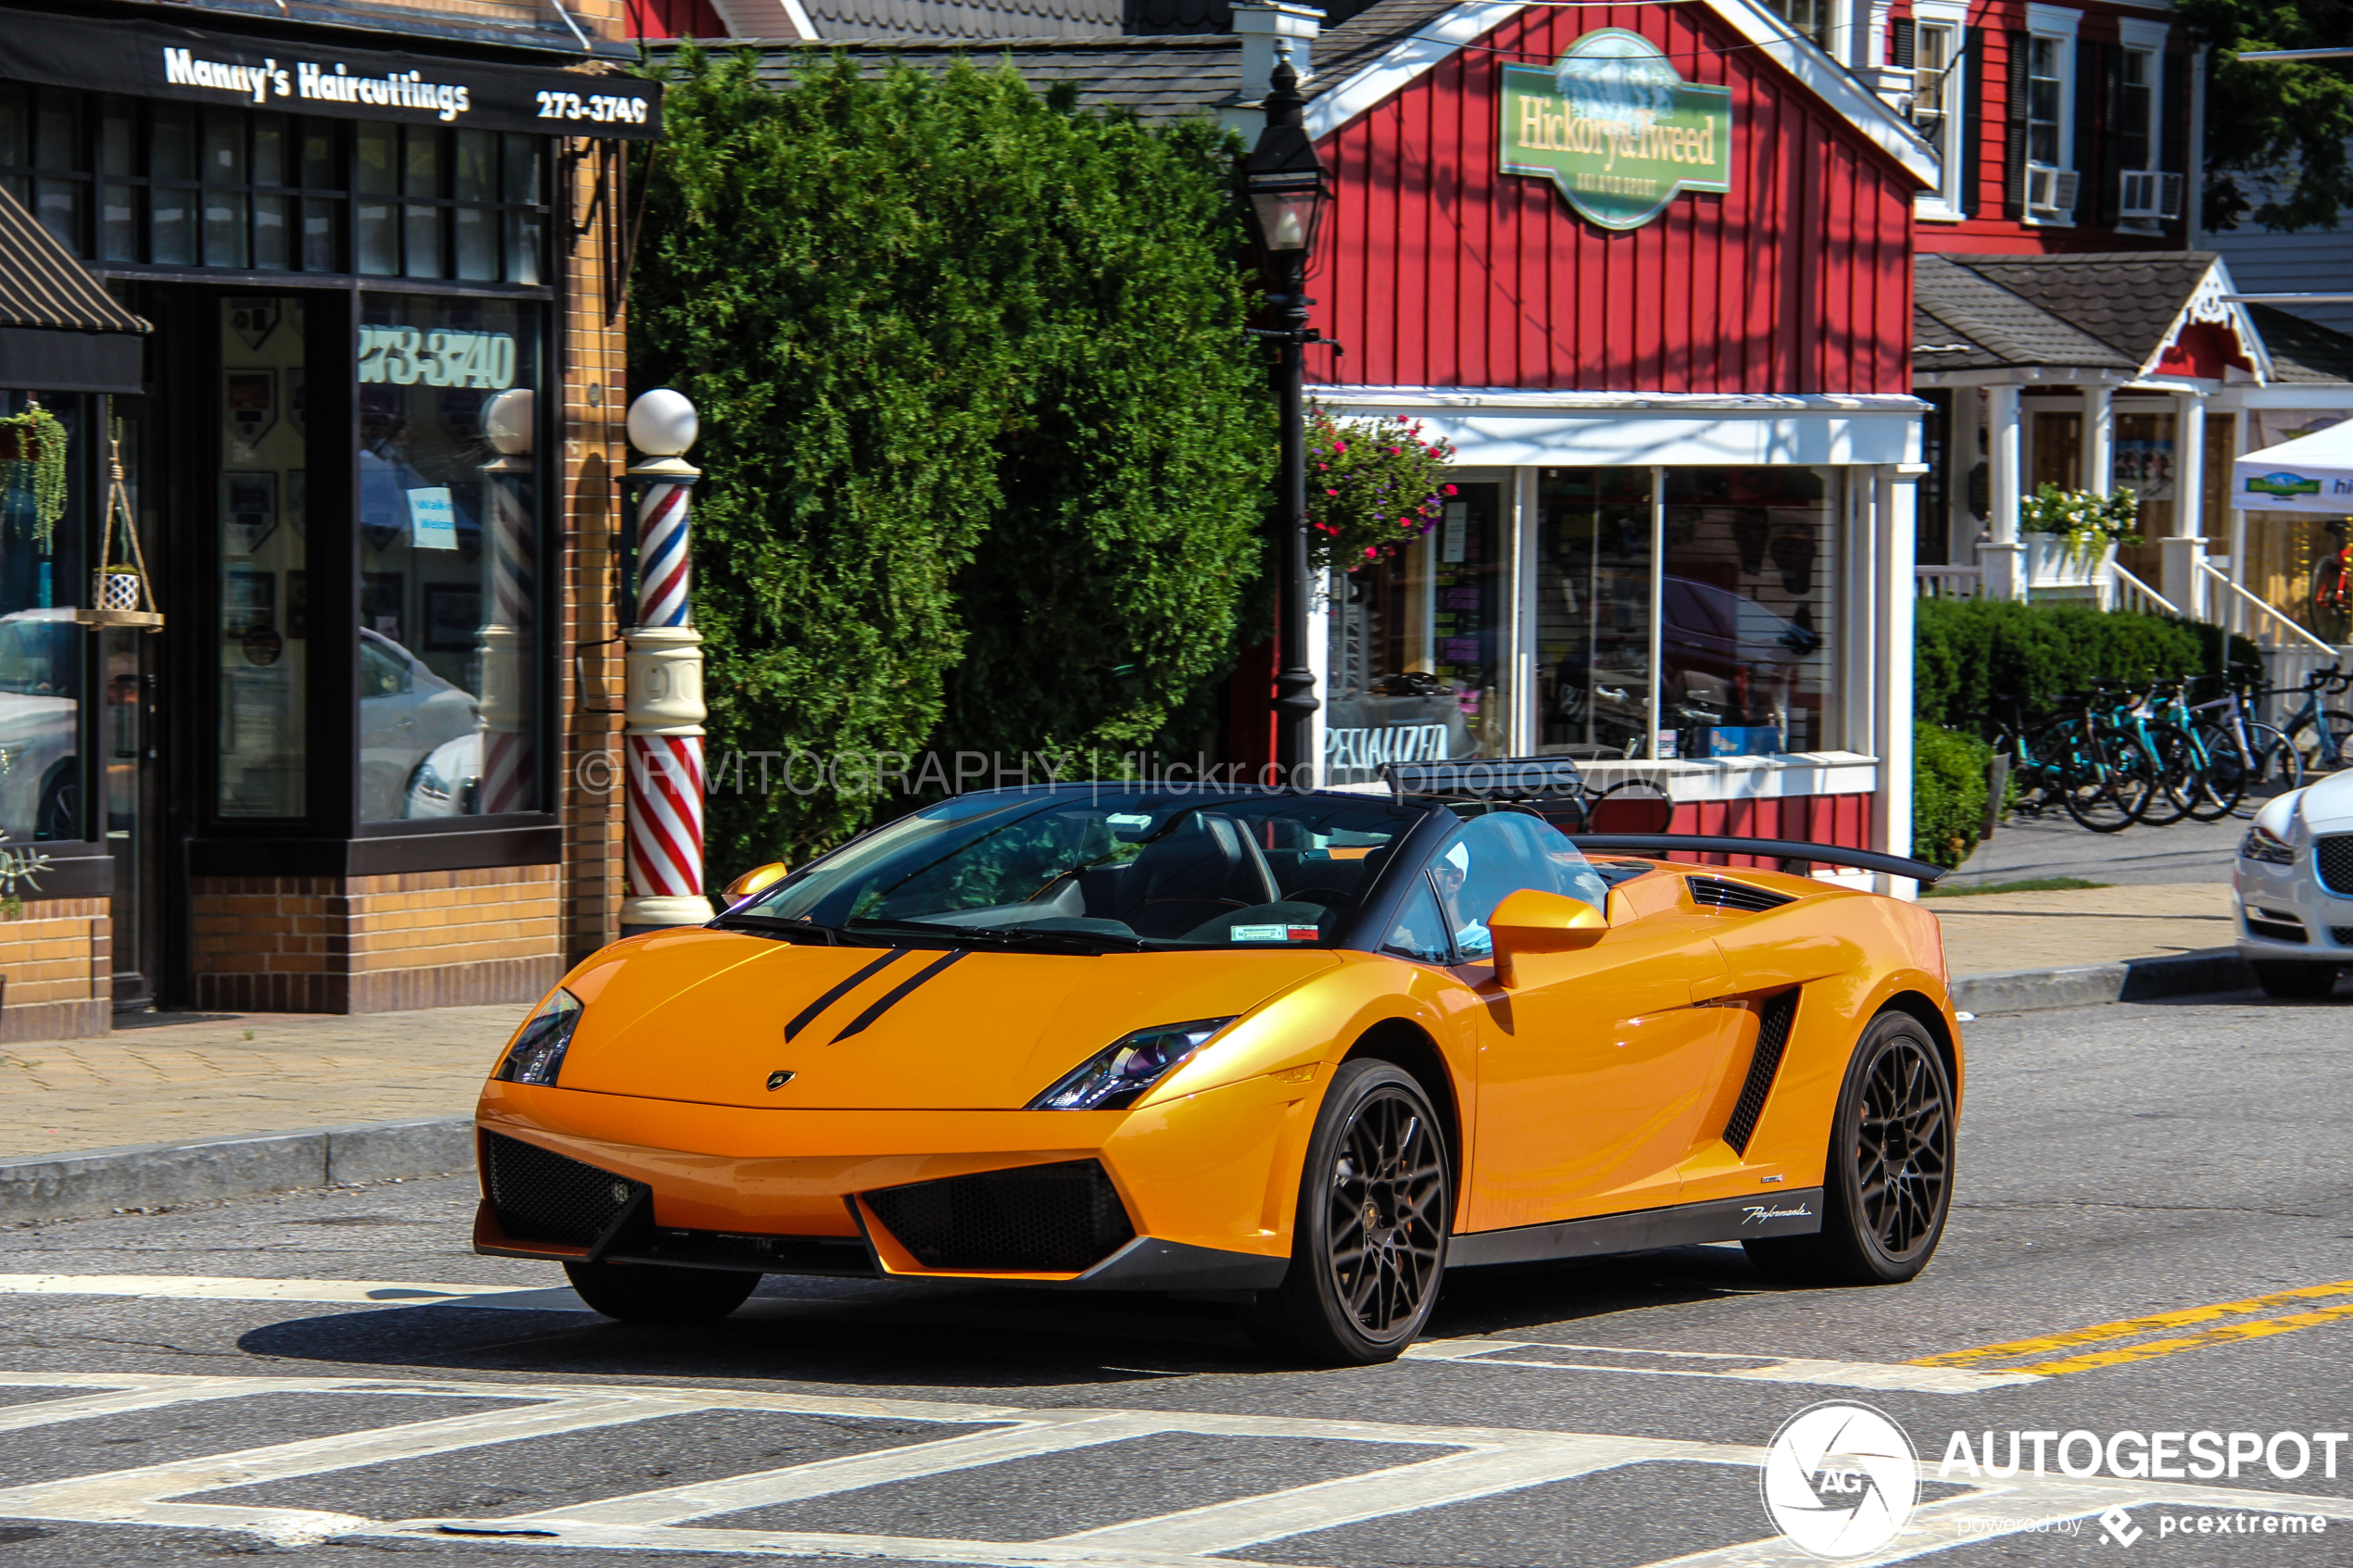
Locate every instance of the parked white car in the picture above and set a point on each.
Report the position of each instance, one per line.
(40, 773)
(2293, 886)
(407, 713)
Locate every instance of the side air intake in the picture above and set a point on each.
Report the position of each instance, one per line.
(1773, 1022)
(1721, 892)
(1058, 1219)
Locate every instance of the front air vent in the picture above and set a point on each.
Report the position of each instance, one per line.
(1722, 892)
(2342, 935)
(543, 1196)
(2276, 930)
(1773, 1021)
(1057, 1219)
(2333, 858)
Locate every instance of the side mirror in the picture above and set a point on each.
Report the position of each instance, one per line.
(755, 880)
(1531, 922)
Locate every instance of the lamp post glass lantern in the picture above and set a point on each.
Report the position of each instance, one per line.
(1287, 193)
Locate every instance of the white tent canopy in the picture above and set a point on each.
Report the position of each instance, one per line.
(2311, 474)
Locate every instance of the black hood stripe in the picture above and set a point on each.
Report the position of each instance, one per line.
(807, 1015)
(892, 997)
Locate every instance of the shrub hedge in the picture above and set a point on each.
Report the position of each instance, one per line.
(1948, 793)
(1975, 657)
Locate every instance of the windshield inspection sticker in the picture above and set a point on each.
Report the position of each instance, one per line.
(1271, 932)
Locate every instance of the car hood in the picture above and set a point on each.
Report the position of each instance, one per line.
(703, 1016)
(2327, 807)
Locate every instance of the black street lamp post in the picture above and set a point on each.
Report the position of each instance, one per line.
(1287, 193)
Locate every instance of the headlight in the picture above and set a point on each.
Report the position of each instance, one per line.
(2262, 844)
(1116, 1076)
(537, 1054)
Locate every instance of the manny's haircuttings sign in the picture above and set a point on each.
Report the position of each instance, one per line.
(1617, 128)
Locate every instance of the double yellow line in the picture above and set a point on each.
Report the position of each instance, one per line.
(2230, 1322)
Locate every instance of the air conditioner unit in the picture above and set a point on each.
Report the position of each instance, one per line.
(2149, 194)
(2050, 193)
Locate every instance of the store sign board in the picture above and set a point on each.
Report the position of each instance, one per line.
(158, 60)
(1617, 128)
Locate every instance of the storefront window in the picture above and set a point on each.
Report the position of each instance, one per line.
(40, 644)
(447, 550)
(1593, 611)
(1417, 646)
(1745, 607)
(263, 584)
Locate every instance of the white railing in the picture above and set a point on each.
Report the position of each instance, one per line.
(2131, 593)
(1948, 582)
(2283, 633)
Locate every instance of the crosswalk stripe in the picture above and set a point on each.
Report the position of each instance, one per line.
(49, 1412)
(215, 1287)
(1903, 1377)
(848, 1474)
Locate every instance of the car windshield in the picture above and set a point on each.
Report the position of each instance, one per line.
(1101, 871)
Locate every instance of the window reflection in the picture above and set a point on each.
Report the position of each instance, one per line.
(448, 554)
(263, 593)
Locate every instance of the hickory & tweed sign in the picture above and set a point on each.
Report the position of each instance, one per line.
(1617, 128)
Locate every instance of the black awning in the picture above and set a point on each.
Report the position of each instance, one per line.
(161, 61)
(59, 331)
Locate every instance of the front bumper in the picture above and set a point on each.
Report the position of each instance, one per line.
(2284, 915)
(1197, 1193)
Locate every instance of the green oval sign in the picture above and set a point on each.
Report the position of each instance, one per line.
(1617, 128)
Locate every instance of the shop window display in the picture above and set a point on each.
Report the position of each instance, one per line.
(40, 644)
(448, 617)
(1593, 611)
(1416, 646)
(263, 571)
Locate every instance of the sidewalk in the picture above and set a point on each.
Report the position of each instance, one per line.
(222, 1075)
(2003, 932)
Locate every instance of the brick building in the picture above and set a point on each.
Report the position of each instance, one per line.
(374, 445)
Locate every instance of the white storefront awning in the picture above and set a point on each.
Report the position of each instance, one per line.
(1508, 427)
(2311, 474)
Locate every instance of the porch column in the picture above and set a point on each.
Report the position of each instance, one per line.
(2185, 546)
(2099, 438)
(2003, 557)
(1897, 500)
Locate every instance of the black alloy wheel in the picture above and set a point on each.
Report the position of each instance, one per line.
(1888, 1186)
(659, 1293)
(1375, 1202)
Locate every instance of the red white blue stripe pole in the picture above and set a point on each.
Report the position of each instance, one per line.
(663, 711)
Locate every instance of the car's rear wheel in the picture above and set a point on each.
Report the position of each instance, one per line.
(2295, 979)
(656, 1293)
(1375, 1201)
(1889, 1180)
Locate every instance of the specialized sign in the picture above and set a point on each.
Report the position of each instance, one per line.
(1617, 128)
(158, 60)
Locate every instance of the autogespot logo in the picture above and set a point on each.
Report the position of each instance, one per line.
(1839, 1480)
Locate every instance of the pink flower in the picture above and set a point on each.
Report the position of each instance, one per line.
(1340, 446)
(1371, 554)
(1449, 490)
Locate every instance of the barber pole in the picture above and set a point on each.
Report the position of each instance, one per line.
(663, 712)
(506, 739)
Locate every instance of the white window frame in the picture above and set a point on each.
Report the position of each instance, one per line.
(2058, 24)
(2148, 38)
(1943, 205)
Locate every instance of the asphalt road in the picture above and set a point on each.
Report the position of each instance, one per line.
(2116, 1164)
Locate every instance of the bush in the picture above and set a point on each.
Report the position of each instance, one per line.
(1975, 657)
(985, 444)
(1948, 793)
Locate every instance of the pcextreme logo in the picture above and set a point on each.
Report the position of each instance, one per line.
(1839, 1480)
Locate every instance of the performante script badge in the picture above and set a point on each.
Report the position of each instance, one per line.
(778, 1079)
(1839, 1480)
(1617, 128)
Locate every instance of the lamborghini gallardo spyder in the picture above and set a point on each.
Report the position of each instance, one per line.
(1305, 1049)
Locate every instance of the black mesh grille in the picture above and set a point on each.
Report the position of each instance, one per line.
(542, 1196)
(1772, 1038)
(1719, 893)
(2333, 859)
(1037, 1219)
(2342, 935)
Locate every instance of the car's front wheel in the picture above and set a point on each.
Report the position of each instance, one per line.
(2295, 979)
(1889, 1181)
(656, 1293)
(1376, 1200)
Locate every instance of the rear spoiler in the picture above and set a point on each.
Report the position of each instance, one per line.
(1765, 848)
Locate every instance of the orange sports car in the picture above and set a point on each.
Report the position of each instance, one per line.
(1311, 1048)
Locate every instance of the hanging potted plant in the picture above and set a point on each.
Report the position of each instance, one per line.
(34, 469)
(1373, 485)
(2072, 535)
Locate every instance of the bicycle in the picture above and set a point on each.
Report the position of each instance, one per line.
(2332, 590)
(2265, 761)
(2330, 730)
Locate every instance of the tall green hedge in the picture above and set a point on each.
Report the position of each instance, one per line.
(1949, 785)
(1975, 655)
(985, 444)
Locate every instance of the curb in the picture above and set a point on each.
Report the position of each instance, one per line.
(103, 1181)
(2136, 979)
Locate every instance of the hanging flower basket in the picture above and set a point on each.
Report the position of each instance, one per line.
(32, 468)
(1372, 486)
(120, 592)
